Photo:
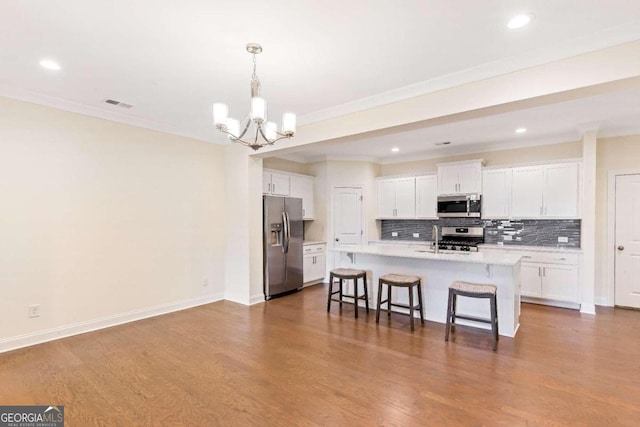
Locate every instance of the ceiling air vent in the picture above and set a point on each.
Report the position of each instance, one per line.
(118, 103)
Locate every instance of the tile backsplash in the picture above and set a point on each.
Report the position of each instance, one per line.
(508, 232)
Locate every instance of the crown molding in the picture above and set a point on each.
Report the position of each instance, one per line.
(25, 95)
(601, 40)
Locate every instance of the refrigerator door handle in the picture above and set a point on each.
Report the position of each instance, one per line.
(286, 232)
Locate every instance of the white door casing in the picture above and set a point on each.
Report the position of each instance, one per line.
(627, 241)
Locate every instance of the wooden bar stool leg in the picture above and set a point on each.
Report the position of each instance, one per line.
(494, 323)
(340, 295)
(448, 323)
(330, 292)
(421, 302)
(411, 307)
(366, 294)
(388, 300)
(355, 296)
(379, 300)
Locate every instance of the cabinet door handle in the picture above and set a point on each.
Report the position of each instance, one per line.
(544, 271)
(269, 188)
(539, 271)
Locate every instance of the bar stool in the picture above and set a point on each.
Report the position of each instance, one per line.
(402, 281)
(473, 290)
(348, 274)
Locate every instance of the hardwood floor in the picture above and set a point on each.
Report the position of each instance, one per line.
(287, 362)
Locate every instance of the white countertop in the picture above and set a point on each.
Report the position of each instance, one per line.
(530, 248)
(490, 257)
(313, 242)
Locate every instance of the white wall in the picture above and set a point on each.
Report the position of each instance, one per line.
(100, 221)
(612, 154)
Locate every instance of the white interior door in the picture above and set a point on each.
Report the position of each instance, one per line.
(627, 237)
(347, 216)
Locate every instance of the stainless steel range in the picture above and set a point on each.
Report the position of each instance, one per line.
(461, 238)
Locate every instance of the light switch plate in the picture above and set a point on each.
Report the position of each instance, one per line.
(394, 234)
(416, 234)
(563, 240)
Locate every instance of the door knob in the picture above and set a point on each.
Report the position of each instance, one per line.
(621, 248)
(337, 239)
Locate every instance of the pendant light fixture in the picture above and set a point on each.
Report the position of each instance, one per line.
(254, 131)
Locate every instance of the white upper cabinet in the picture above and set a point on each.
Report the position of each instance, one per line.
(496, 193)
(561, 191)
(427, 196)
(527, 188)
(302, 187)
(460, 178)
(275, 184)
(397, 198)
(546, 191)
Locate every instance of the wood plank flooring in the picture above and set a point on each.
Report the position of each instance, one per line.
(289, 363)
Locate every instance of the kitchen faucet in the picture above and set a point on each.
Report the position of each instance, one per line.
(436, 240)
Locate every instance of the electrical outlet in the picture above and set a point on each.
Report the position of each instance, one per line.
(34, 310)
(394, 234)
(416, 234)
(563, 240)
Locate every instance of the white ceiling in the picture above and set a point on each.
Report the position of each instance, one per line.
(171, 60)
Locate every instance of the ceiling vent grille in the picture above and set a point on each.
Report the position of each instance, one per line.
(118, 103)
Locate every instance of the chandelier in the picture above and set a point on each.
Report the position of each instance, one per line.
(254, 131)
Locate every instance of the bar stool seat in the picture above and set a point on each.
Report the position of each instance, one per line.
(348, 274)
(473, 290)
(404, 281)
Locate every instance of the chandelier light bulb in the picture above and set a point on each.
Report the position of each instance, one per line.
(271, 131)
(233, 128)
(258, 109)
(288, 124)
(220, 114)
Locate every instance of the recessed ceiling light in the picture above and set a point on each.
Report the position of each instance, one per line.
(519, 21)
(49, 64)
(521, 130)
(395, 149)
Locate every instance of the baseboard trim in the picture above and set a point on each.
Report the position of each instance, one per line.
(256, 299)
(588, 309)
(26, 340)
(603, 301)
(552, 303)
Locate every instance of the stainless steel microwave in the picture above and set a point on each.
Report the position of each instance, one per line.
(463, 206)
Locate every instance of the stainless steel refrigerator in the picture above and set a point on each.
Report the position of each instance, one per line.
(282, 243)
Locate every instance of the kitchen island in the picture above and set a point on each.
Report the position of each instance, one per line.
(438, 271)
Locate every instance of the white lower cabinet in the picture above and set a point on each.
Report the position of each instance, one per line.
(314, 262)
(548, 275)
